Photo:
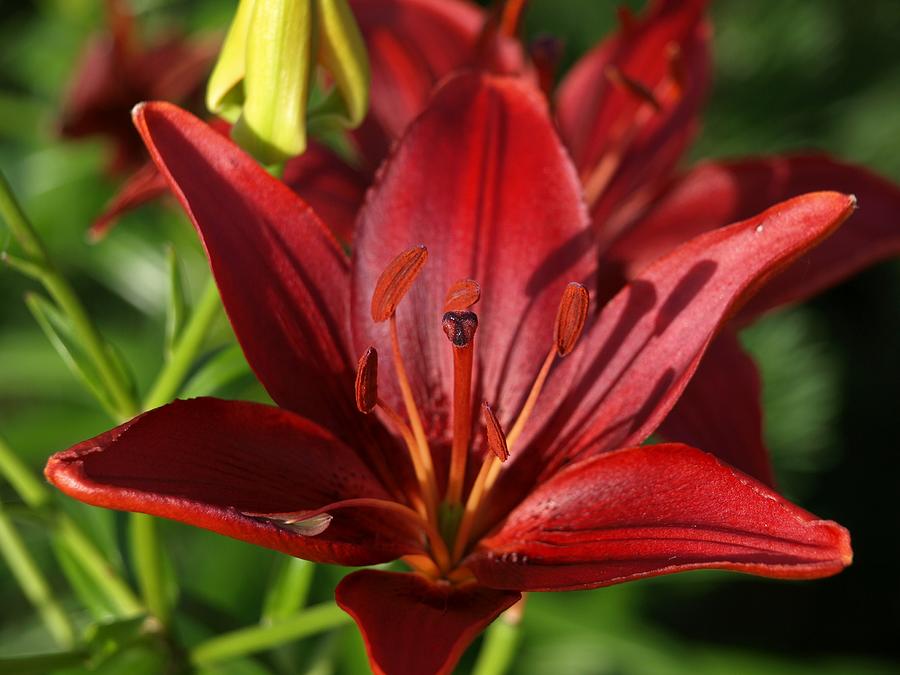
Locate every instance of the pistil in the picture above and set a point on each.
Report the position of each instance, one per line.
(497, 452)
(460, 329)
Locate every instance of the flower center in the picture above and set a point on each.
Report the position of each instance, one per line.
(450, 523)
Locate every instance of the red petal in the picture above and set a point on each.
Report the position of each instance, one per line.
(647, 342)
(714, 194)
(208, 462)
(720, 412)
(596, 117)
(412, 626)
(333, 188)
(654, 510)
(482, 181)
(283, 278)
(144, 185)
(413, 44)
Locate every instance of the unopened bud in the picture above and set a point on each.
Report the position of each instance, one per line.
(262, 78)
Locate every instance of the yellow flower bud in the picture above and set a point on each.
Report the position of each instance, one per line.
(261, 82)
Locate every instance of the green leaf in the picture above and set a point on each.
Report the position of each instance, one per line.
(225, 368)
(176, 307)
(89, 593)
(60, 333)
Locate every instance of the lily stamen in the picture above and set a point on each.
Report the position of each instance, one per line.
(570, 320)
(391, 287)
(460, 328)
(367, 400)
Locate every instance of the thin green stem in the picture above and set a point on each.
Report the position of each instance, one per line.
(32, 491)
(97, 567)
(38, 664)
(186, 349)
(258, 638)
(498, 649)
(69, 534)
(60, 290)
(33, 584)
(288, 591)
(18, 222)
(149, 565)
(94, 344)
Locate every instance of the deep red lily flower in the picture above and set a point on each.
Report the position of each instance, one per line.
(116, 71)
(479, 188)
(627, 111)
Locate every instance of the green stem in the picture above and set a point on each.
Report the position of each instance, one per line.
(19, 224)
(498, 649)
(37, 496)
(33, 584)
(288, 591)
(186, 349)
(93, 342)
(32, 491)
(258, 638)
(97, 567)
(38, 664)
(68, 302)
(149, 565)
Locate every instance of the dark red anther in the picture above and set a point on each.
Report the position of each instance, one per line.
(367, 381)
(460, 327)
(496, 439)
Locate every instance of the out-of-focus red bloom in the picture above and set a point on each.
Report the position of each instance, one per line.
(479, 188)
(627, 111)
(118, 70)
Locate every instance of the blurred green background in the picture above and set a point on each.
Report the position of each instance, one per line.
(789, 75)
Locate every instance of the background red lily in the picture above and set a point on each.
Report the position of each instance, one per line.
(483, 182)
(117, 70)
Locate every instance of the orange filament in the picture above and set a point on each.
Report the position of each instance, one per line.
(460, 329)
(511, 17)
(426, 482)
(421, 442)
(498, 451)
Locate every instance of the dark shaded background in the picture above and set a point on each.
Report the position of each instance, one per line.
(790, 75)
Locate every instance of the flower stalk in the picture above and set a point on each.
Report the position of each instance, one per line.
(33, 583)
(241, 642)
